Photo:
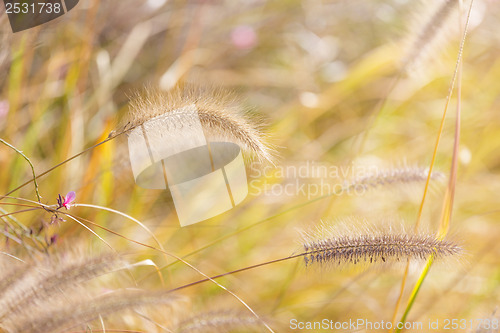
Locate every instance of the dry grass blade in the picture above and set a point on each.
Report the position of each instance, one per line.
(206, 277)
(448, 199)
(29, 162)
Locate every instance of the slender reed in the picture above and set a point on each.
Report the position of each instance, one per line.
(449, 196)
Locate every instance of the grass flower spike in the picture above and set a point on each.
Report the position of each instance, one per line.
(220, 115)
(374, 245)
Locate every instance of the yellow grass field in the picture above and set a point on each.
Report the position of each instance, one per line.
(366, 135)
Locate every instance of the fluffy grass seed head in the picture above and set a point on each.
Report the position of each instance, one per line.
(431, 29)
(51, 294)
(31, 283)
(370, 245)
(219, 321)
(221, 117)
(398, 175)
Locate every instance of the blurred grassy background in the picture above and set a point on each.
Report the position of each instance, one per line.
(315, 71)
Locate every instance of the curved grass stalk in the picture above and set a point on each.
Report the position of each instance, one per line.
(132, 219)
(18, 223)
(19, 234)
(149, 262)
(11, 256)
(352, 185)
(20, 211)
(459, 276)
(415, 291)
(450, 191)
(51, 209)
(207, 278)
(31, 165)
(111, 137)
(361, 248)
(92, 231)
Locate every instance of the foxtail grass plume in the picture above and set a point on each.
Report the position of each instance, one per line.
(67, 314)
(24, 285)
(219, 321)
(395, 176)
(190, 140)
(50, 295)
(373, 245)
(430, 33)
(220, 115)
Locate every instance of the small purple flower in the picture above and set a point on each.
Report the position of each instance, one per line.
(66, 201)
